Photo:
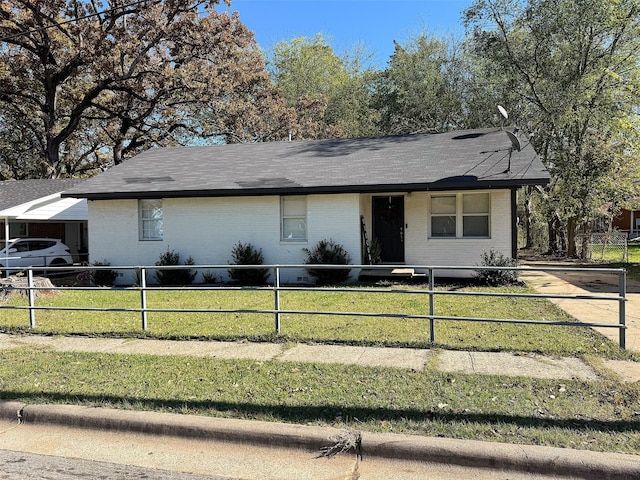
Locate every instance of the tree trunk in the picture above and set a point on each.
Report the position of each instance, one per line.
(51, 164)
(528, 217)
(553, 236)
(586, 234)
(571, 238)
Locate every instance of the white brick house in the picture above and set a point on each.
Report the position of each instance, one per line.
(434, 199)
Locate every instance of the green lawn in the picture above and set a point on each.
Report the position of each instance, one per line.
(596, 415)
(613, 259)
(349, 329)
(609, 253)
(600, 415)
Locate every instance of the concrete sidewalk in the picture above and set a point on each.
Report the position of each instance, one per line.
(482, 363)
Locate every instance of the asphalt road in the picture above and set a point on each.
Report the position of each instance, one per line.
(61, 453)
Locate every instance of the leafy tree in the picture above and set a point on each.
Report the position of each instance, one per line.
(17, 147)
(95, 82)
(573, 66)
(429, 86)
(330, 94)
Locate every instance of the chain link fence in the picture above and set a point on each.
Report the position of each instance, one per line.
(604, 247)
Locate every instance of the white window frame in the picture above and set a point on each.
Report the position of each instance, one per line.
(288, 216)
(443, 215)
(460, 215)
(150, 225)
(478, 214)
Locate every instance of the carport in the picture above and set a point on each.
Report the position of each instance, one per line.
(34, 208)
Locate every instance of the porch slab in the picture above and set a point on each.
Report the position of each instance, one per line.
(391, 274)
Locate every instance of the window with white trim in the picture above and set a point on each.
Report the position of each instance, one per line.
(475, 215)
(150, 219)
(443, 216)
(293, 226)
(460, 215)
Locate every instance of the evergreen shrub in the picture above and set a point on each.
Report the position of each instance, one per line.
(174, 277)
(496, 278)
(328, 252)
(246, 254)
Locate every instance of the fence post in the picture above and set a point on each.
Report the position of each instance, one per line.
(625, 256)
(622, 284)
(31, 297)
(431, 307)
(276, 289)
(143, 296)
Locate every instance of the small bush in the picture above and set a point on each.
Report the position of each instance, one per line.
(103, 278)
(496, 278)
(246, 254)
(328, 252)
(174, 277)
(376, 251)
(209, 277)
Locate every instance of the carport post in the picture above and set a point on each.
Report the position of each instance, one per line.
(31, 296)
(622, 284)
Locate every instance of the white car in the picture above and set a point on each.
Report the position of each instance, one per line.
(34, 252)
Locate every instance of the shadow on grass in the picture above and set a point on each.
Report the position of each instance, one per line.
(325, 413)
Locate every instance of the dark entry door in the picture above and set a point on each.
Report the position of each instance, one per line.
(388, 227)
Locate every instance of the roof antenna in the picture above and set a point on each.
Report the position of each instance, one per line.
(504, 113)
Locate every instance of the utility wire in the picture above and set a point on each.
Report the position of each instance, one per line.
(59, 24)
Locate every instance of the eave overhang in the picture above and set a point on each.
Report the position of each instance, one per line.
(446, 184)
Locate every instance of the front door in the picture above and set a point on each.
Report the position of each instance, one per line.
(388, 227)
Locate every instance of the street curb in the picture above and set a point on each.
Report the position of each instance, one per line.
(470, 453)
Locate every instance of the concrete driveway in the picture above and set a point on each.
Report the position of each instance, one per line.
(591, 310)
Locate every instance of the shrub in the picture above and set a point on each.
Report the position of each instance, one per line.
(246, 254)
(328, 252)
(174, 277)
(497, 277)
(103, 277)
(209, 277)
(376, 251)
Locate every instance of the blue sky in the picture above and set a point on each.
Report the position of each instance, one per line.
(347, 23)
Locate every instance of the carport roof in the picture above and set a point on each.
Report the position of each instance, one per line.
(17, 192)
(39, 199)
(454, 160)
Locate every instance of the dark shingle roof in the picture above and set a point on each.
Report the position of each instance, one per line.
(463, 159)
(17, 192)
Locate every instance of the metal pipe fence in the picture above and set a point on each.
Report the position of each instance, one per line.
(280, 289)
